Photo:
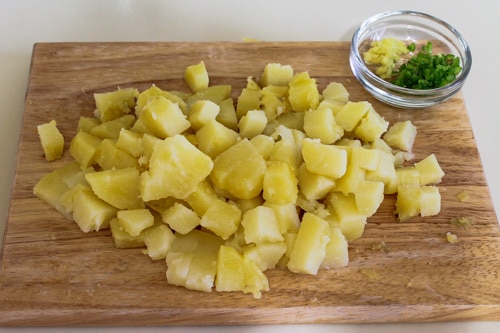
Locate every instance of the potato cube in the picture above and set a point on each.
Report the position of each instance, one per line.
(216, 94)
(320, 124)
(408, 201)
(118, 187)
(407, 176)
(196, 77)
(260, 225)
(252, 123)
(202, 197)
(349, 182)
(114, 104)
(346, 215)
(337, 92)
(430, 201)
(276, 74)
(227, 114)
(239, 170)
(314, 186)
(274, 101)
(429, 170)
(249, 99)
(286, 215)
(111, 129)
(122, 239)
(365, 158)
(178, 264)
(309, 248)
(109, 156)
(369, 196)
(130, 142)
(222, 218)
(202, 112)
(265, 255)
(134, 221)
(83, 147)
(264, 144)
(153, 93)
(91, 213)
(87, 123)
(280, 185)
(351, 114)
(337, 253)
(164, 118)
(303, 94)
(371, 127)
(385, 171)
(236, 273)
(180, 218)
(214, 138)
(52, 186)
(158, 240)
(176, 167)
(51, 139)
(325, 160)
(401, 135)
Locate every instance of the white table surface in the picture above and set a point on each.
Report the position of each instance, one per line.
(24, 22)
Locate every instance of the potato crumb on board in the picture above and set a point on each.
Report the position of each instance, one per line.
(451, 238)
(463, 196)
(462, 222)
(370, 273)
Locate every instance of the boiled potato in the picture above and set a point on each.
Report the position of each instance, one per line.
(223, 191)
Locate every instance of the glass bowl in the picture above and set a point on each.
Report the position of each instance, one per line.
(408, 26)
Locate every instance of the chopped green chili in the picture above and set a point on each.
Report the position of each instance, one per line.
(427, 70)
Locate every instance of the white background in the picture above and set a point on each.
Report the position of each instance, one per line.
(25, 22)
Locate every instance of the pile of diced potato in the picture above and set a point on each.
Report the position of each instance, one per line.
(223, 191)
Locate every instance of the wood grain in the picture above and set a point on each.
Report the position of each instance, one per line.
(53, 274)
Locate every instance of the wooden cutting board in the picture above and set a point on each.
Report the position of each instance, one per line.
(53, 274)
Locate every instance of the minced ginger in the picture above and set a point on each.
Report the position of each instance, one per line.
(385, 54)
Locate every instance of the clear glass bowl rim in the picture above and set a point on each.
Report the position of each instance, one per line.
(465, 55)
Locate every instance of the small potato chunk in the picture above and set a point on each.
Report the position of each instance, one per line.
(320, 124)
(202, 112)
(276, 74)
(309, 249)
(337, 253)
(346, 215)
(325, 160)
(118, 187)
(408, 201)
(430, 201)
(429, 170)
(280, 184)
(236, 273)
(114, 104)
(351, 114)
(260, 225)
(303, 94)
(176, 167)
(214, 138)
(164, 118)
(196, 77)
(134, 221)
(239, 170)
(337, 92)
(314, 186)
(222, 218)
(369, 196)
(252, 123)
(91, 213)
(83, 147)
(401, 135)
(180, 218)
(52, 140)
(111, 129)
(371, 127)
(158, 240)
